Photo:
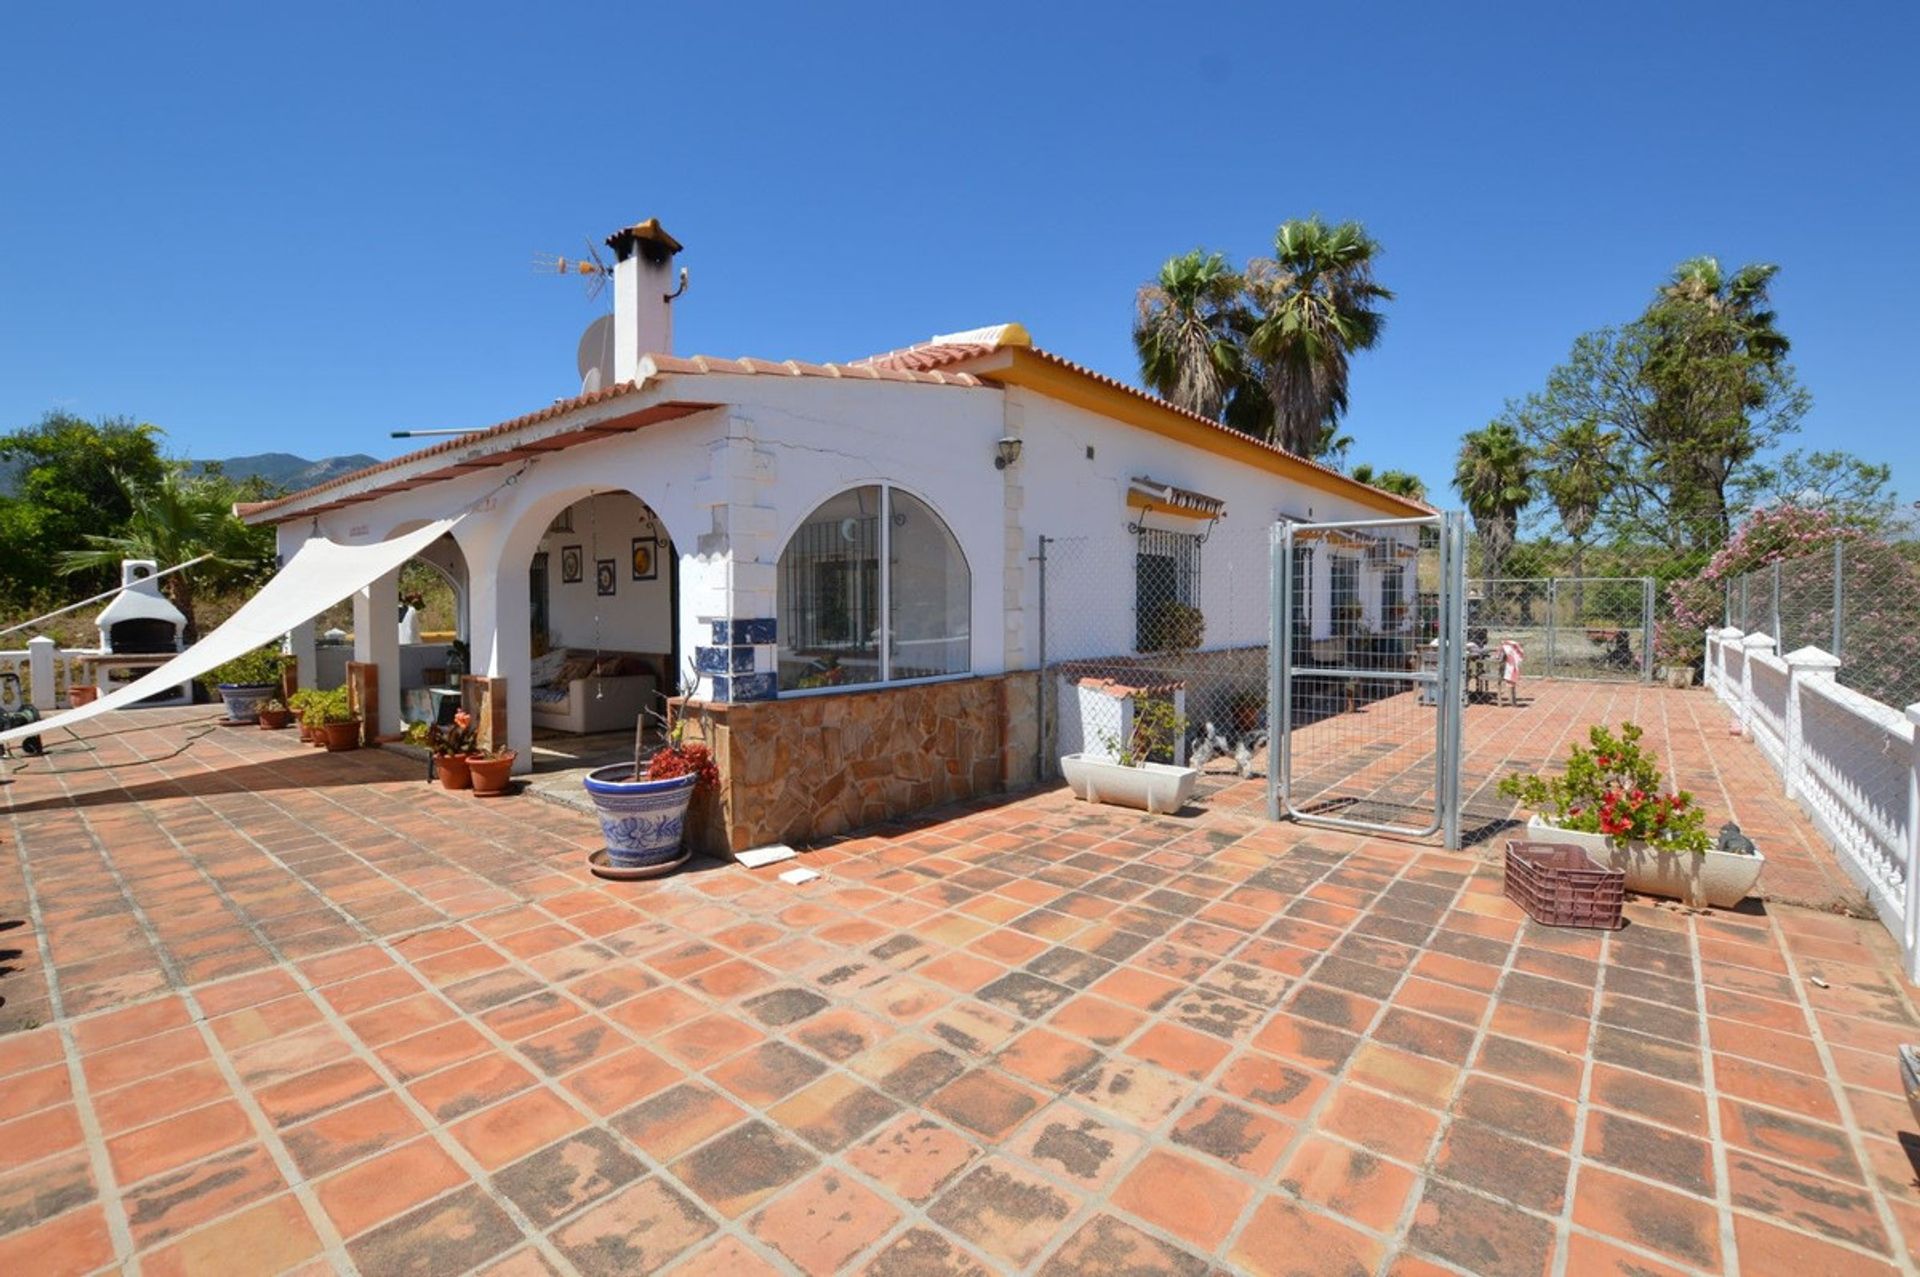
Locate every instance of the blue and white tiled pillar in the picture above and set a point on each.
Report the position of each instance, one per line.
(733, 600)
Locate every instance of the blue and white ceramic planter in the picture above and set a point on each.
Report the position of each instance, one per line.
(245, 699)
(643, 820)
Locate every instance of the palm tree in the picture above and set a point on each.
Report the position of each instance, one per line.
(174, 520)
(1494, 475)
(1740, 297)
(1317, 303)
(1577, 471)
(1185, 329)
(1401, 483)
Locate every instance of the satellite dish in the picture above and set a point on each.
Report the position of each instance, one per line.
(595, 356)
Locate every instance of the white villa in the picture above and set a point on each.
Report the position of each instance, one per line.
(843, 551)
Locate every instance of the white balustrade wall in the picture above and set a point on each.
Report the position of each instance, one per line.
(1849, 761)
(46, 671)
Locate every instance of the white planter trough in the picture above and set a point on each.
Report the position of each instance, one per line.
(1718, 878)
(1158, 788)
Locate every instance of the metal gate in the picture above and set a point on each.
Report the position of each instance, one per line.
(1597, 627)
(1366, 674)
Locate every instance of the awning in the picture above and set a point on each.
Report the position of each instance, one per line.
(319, 575)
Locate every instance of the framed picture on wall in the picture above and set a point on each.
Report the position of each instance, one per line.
(604, 575)
(646, 564)
(570, 565)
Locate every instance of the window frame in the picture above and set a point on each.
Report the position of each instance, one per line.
(884, 607)
(1183, 553)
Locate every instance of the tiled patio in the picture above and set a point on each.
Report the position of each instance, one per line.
(300, 1012)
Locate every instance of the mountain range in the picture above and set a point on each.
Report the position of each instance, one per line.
(284, 470)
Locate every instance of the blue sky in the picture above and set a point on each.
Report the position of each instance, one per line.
(269, 228)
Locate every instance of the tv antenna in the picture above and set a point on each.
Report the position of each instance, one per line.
(593, 268)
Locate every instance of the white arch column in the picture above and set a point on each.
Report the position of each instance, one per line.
(376, 641)
(498, 618)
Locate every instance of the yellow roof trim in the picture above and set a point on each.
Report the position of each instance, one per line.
(1019, 367)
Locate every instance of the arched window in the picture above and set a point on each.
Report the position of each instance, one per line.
(873, 589)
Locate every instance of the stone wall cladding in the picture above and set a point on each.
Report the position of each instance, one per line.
(804, 768)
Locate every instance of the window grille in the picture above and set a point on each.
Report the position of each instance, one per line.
(1166, 571)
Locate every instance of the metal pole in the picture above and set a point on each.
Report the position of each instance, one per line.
(1553, 619)
(1453, 533)
(1839, 597)
(1279, 661)
(1646, 629)
(1045, 688)
(1779, 639)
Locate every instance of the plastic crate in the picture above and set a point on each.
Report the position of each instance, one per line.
(1561, 885)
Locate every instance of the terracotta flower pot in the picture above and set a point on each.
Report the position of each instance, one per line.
(490, 775)
(453, 771)
(82, 694)
(272, 720)
(339, 737)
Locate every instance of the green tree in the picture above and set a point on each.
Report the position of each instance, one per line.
(1577, 470)
(1316, 302)
(63, 486)
(1186, 330)
(1719, 388)
(174, 519)
(1399, 482)
(1494, 475)
(1855, 493)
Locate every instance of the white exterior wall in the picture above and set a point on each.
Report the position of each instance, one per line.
(1082, 502)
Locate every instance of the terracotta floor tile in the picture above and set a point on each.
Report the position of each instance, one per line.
(500, 1134)
(1071, 1145)
(1683, 1227)
(273, 1235)
(914, 1157)
(178, 1140)
(1767, 1250)
(1479, 1234)
(562, 1178)
(986, 1102)
(833, 1112)
(1283, 1239)
(1382, 1123)
(1235, 1134)
(348, 1134)
(450, 1233)
(1185, 1196)
(1007, 1212)
(677, 1119)
(383, 1187)
(473, 1084)
(767, 1073)
(824, 1221)
(75, 1242)
(742, 1168)
(1348, 1181)
(1806, 1200)
(168, 1205)
(709, 1039)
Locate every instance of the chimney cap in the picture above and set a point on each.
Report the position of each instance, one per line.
(649, 237)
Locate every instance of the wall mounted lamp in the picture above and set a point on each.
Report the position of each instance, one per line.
(1006, 452)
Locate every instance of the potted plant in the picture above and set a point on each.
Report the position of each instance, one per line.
(643, 805)
(247, 681)
(274, 713)
(490, 770)
(332, 717)
(1610, 801)
(1172, 627)
(1128, 775)
(1245, 709)
(451, 746)
(301, 704)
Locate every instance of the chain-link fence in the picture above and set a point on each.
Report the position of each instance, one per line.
(1858, 600)
(1156, 646)
(1599, 627)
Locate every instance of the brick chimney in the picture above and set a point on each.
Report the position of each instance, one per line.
(643, 289)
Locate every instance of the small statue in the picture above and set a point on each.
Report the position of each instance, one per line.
(1731, 839)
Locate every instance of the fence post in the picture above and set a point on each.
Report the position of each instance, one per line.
(1778, 637)
(1045, 690)
(1646, 629)
(41, 692)
(1803, 666)
(1553, 618)
(1839, 598)
(1910, 923)
(1749, 645)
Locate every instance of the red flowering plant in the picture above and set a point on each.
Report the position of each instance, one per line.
(1611, 786)
(681, 757)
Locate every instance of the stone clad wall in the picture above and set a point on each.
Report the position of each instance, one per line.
(808, 767)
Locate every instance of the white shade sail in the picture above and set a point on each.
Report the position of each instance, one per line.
(318, 576)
